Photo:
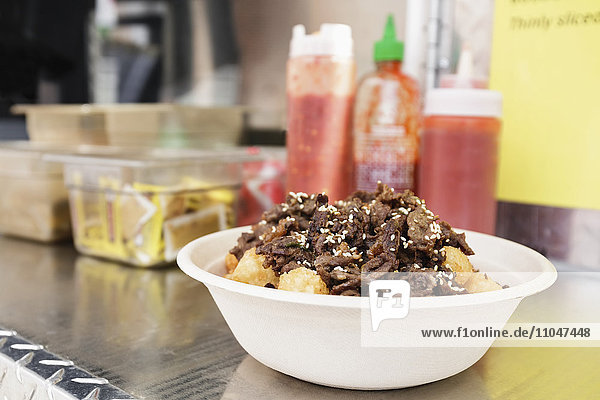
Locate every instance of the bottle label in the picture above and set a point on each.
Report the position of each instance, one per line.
(399, 175)
(386, 155)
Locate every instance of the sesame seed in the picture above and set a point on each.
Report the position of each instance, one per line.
(392, 237)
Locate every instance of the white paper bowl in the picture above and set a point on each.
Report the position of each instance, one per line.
(317, 338)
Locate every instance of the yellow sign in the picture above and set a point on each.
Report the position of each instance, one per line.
(546, 63)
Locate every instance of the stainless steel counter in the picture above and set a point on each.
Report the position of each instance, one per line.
(156, 334)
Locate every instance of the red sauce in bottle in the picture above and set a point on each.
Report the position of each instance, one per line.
(320, 92)
(319, 145)
(457, 172)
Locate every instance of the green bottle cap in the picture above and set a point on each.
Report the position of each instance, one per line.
(388, 48)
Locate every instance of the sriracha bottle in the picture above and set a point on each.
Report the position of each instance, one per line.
(386, 120)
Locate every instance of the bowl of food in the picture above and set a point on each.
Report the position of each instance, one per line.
(291, 287)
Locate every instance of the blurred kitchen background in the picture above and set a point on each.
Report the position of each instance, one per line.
(230, 56)
(206, 52)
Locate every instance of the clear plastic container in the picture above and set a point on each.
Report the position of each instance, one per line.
(33, 200)
(64, 124)
(170, 125)
(149, 125)
(142, 206)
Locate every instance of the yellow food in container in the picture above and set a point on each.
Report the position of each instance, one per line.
(141, 208)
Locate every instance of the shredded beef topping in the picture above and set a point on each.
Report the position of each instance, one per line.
(382, 232)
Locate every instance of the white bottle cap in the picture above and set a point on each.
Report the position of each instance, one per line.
(465, 73)
(330, 40)
(465, 63)
(464, 102)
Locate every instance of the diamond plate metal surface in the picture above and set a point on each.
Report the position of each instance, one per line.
(29, 372)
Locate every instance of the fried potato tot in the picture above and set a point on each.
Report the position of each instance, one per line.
(250, 270)
(473, 282)
(303, 280)
(459, 263)
(462, 277)
(457, 260)
(230, 262)
(480, 282)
